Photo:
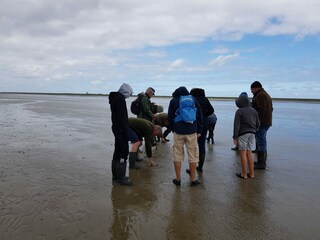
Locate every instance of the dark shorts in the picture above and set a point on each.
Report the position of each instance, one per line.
(133, 136)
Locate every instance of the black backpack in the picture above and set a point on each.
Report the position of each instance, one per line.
(136, 105)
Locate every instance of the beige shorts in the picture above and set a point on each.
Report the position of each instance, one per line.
(191, 143)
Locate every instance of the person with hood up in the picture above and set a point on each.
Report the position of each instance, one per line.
(119, 119)
(207, 110)
(246, 123)
(184, 134)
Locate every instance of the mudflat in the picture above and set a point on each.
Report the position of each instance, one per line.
(55, 177)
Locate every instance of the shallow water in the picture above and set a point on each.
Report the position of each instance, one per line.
(55, 178)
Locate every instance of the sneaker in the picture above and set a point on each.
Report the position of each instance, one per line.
(176, 182)
(194, 183)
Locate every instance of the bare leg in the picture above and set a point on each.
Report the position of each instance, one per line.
(192, 167)
(177, 169)
(250, 163)
(243, 156)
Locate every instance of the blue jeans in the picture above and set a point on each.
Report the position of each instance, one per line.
(261, 138)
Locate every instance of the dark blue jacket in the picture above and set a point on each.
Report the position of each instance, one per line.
(183, 128)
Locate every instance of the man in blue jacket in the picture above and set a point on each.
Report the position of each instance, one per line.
(184, 133)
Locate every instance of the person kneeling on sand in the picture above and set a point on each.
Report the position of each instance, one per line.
(138, 129)
(246, 123)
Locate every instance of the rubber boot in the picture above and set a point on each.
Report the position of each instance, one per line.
(121, 174)
(261, 164)
(114, 170)
(202, 156)
(132, 160)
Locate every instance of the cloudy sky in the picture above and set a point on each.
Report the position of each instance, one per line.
(94, 46)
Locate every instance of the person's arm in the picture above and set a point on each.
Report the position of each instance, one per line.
(199, 118)
(209, 109)
(122, 117)
(146, 111)
(171, 115)
(236, 125)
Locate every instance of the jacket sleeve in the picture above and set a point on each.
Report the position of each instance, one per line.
(148, 141)
(171, 115)
(236, 124)
(199, 117)
(146, 107)
(209, 109)
(123, 118)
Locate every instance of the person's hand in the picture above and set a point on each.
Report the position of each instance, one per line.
(235, 141)
(199, 135)
(164, 140)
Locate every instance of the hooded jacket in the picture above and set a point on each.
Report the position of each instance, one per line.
(119, 113)
(206, 107)
(246, 119)
(182, 127)
(262, 103)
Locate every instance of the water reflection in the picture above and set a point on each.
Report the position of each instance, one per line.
(132, 205)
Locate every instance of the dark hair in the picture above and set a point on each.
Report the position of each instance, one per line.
(256, 84)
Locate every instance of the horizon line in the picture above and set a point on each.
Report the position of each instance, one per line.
(101, 94)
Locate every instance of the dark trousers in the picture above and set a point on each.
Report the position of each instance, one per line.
(121, 147)
(202, 142)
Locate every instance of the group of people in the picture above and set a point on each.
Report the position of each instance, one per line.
(251, 123)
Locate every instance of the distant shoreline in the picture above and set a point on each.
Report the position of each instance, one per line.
(210, 98)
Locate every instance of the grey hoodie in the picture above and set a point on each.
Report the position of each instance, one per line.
(246, 119)
(126, 90)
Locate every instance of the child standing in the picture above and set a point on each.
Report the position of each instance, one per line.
(246, 123)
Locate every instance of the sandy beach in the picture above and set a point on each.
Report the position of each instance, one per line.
(55, 177)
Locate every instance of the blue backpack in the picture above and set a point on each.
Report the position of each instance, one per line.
(187, 112)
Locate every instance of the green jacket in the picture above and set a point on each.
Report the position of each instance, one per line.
(161, 119)
(143, 128)
(146, 108)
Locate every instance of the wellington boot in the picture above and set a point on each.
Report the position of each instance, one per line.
(262, 158)
(114, 170)
(121, 174)
(132, 160)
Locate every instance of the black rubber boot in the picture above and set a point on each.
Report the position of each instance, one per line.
(262, 158)
(114, 170)
(202, 156)
(132, 160)
(121, 174)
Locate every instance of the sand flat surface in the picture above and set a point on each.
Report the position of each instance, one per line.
(55, 178)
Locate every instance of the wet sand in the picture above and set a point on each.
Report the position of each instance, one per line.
(55, 178)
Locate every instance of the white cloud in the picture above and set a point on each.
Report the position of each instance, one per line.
(220, 50)
(176, 64)
(58, 39)
(223, 59)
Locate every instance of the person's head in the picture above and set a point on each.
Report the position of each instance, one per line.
(126, 90)
(157, 130)
(255, 86)
(150, 92)
(242, 100)
(197, 92)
